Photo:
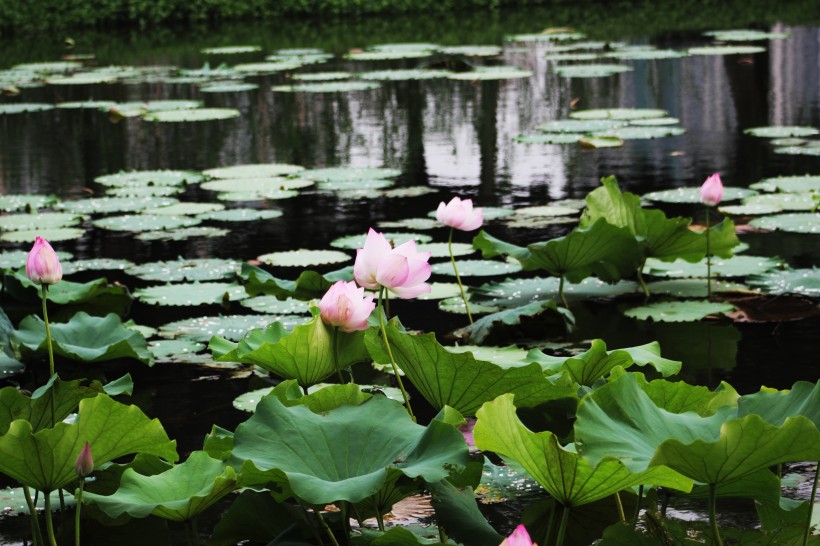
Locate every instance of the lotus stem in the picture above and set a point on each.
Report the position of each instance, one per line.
(637, 507)
(77, 512)
(620, 506)
(333, 338)
(562, 530)
(664, 502)
(708, 259)
(550, 523)
(643, 284)
(48, 333)
(379, 520)
(713, 515)
(442, 535)
(811, 506)
(36, 532)
(326, 527)
(393, 360)
(49, 523)
(561, 293)
(458, 277)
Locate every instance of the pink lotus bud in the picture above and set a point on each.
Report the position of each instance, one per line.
(460, 214)
(519, 537)
(345, 305)
(402, 270)
(42, 264)
(84, 465)
(711, 192)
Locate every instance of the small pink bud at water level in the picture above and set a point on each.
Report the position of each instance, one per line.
(519, 537)
(344, 305)
(42, 264)
(460, 214)
(84, 465)
(402, 270)
(711, 192)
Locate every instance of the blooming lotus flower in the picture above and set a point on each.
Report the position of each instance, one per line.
(460, 214)
(84, 465)
(402, 270)
(345, 305)
(42, 264)
(711, 192)
(519, 537)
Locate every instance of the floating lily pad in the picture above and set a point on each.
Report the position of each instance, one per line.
(580, 46)
(95, 264)
(104, 205)
(304, 258)
(86, 78)
(786, 201)
(803, 282)
(408, 191)
(544, 37)
(231, 50)
(798, 150)
(634, 132)
(333, 174)
(232, 327)
(492, 73)
(745, 35)
(477, 268)
(679, 311)
(579, 125)
(13, 502)
(441, 250)
(299, 52)
(388, 55)
(788, 141)
(241, 215)
(269, 67)
(411, 223)
(228, 87)
(150, 178)
(355, 185)
(752, 209)
(795, 222)
(195, 114)
(471, 50)
(652, 122)
(182, 234)
(404, 74)
(592, 141)
(300, 60)
(693, 288)
(189, 294)
(186, 209)
(24, 107)
(441, 290)
(520, 292)
(321, 76)
(144, 191)
(538, 222)
(11, 203)
(782, 131)
(647, 54)
(545, 210)
(692, 195)
(789, 184)
(42, 220)
(172, 104)
(260, 170)
(572, 57)
(15, 259)
(623, 114)
(726, 50)
(176, 350)
(549, 138)
(197, 269)
(327, 87)
(254, 185)
(90, 104)
(357, 241)
(456, 305)
(249, 196)
(591, 70)
(274, 306)
(736, 266)
(53, 235)
(144, 222)
(48, 66)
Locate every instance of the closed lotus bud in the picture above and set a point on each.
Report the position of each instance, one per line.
(42, 264)
(711, 192)
(519, 537)
(84, 465)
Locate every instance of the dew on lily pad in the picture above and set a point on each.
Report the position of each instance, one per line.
(441, 250)
(195, 269)
(456, 305)
(105, 205)
(144, 222)
(304, 258)
(186, 209)
(624, 114)
(257, 170)
(48, 66)
(726, 50)
(803, 183)
(231, 50)
(388, 55)
(751, 209)
(410, 223)
(679, 311)
(572, 57)
(441, 290)
(82, 78)
(268, 67)
(492, 73)
(651, 122)
(187, 294)
(477, 268)
(692, 288)
(231, 327)
(274, 306)
(150, 178)
(591, 70)
(95, 264)
(545, 37)
(782, 131)
(250, 196)
(647, 54)
(182, 234)
(803, 201)
(407, 191)
(365, 185)
(89, 104)
(241, 215)
(333, 174)
(736, 266)
(321, 76)
(580, 46)
(255, 185)
(797, 222)
(802, 282)
(180, 351)
(52, 235)
(352, 242)
(24, 107)
(788, 141)
(143, 191)
(798, 150)
(545, 210)
(42, 220)
(327, 87)
(194, 114)
(15, 259)
(692, 195)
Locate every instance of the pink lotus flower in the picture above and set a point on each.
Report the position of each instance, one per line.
(711, 192)
(345, 305)
(84, 465)
(42, 264)
(460, 214)
(402, 270)
(519, 537)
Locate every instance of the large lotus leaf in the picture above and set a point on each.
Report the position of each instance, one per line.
(797, 222)
(182, 234)
(320, 398)
(736, 266)
(805, 183)
(680, 397)
(607, 251)
(257, 517)
(144, 222)
(518, 292)
(776, 406)
(232, 327)
(348, 453)
(197, 269)
(308, 354)
(569, 478)
(457, 511)
(85, 338)
(188, 294)
(679, 311)
(482, 328)
(459, 380)
(492, 247)
(308, 285)
(45, 459)
(178, 494)
(98, 293)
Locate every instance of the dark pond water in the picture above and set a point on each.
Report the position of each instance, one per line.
(453, 136)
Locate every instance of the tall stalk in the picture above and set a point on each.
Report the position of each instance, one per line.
(77, 512)
(561, 292)
(708, 258)
(49, 524)
(811, 506)
(36, 532)
(713, 515)
(390, 354)
(458, 277)
(637, 507)
(333, 336)
(562, 529)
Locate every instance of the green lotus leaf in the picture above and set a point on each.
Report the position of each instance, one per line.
(230, 50)
(806, 183)
(442, 250)
(692, 195)
(178, 494)
(353, 189)
(172, 104)
(591, 70)
(228, 87)
(274, 306)
(623, 114)
(257, 517)
(559, 57)
(197, 269)
(477, 268)
(798, 150)
(726, 50)
(193, 293)
(482, 73)
(321, 76)
(177, 350)
(693, 288)
(24, 107)
(646, 54)
(308, 285)
(42, 220)
(549, 138)
(260, 170)
(491, 247)
(13, 502)
(186, 209)
(53, 235)
(636, 132)
(781, 131)
(545, 37)
(150, 178)
(456, 305)
(15, 259)
(232, 327)
(182, 234)
(518, 292)
(26, 202)
(348, 453)
(745, 35)
(752, 209)
(144, 222)
(736, 266)
(788, 141)
(796, 201)
(505, 357)
(471, 50)
(459, 380)
(303, 258)
(333, 174)
(388, 55)
(411, 224)
(192, 114)
(327, 87)
(259, 185)
(84, 338)
(457, 511)
(440, 291)
(241, 215)
(45, 459)
(579, 125)
(545, 210)
(144, 191)
(306, 354)
(95, 264)
(404, 74)
(569, 478)
(320, 398)
(804, 282)
(97, 295)
(481, 329)
(777, 406)
(808, 222)
(679, 311)
(87, 78)
(603, 141)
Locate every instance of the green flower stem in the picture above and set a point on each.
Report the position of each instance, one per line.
(458, 277)
(713, 515)
(561, 293)
(811, 506)
(620, 505)
(393, 360)
(77, 512)
(708, 259)
(380, 520)
(642, 282)
(325, 526)
(48, 334)
(36, 532)
(333, 342)
(562, 529)
(49, 523)
(550, 523)
(637, 507)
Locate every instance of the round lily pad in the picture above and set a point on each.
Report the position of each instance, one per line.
(186, 209)
(321, 76)
(249, 400)
(144, 222)
(798, 150)
(786, 201)
(333, 174)
(24, 107)
(15, 259)
(197, 269)
(789, 184)
(388, 55)
(327, 87)
(259, 170)
(579, 125)
(231, 50)
(692, 288)
(52, 235)
(679, 311)
(549, 138)
(269, 67)
(42, 220)
(255, 185)
(188, 294)
(538, 222)
(591, 70)
(654, 122)
(647, 54)
(782, 131)
(544, 37)
(572, 57)
(471, 50)
(95, 264)
(440, 291)
(355, 185)
(304, 258)
(196, 114)
(232, 327)
(352, 242)
(228, 87)
(274, 306)
(87, 78)
(477, 268)
(787, 141)
(300, 60)
(736, 266)
(545, 210)
(48, 66)
(13, 502)
(745, 35)
(750, 209)
(492, 73)
(411, 223)
(241, 215)
(90, 104)
(635, 132)
(579, 46)
(15, 202)
(182, 234)
(150, 178)
(182, 351)
(626, 114)
(298, 52)
(407, 191)
(803, 282)
(692, 195)
(808, 222)
(604, 141)
(404, 74)
(104, 205)
(441, 250)
(456, 305)
(144, 191)
(249, 196)
(172, 104)
(726, 50)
